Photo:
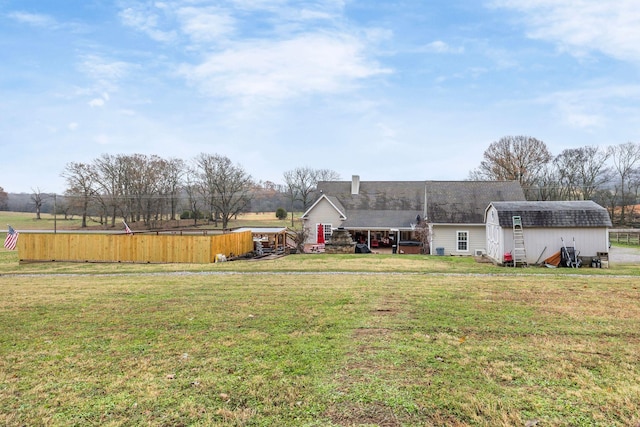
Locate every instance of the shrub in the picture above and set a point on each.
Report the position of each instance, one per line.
(281, 213)
(191, 215)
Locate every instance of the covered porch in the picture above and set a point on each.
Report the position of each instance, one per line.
(385, 230)
(388, 240)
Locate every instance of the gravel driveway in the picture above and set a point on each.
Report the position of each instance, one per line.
(621, 255)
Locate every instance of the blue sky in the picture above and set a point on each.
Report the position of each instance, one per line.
(393, 90)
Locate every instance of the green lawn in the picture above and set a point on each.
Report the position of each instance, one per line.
(28, 221)
(389, 341)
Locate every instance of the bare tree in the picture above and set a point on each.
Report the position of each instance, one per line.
(634, 196)
(38, 199)
(301, 184)
(192, 188)
(204, 166)
(110, 176)
(81, 179)
(171, 182)
(140, 178)
(326, 175)
(233, 186)
(514, 158)
(228, 186)
(153, 181)
(549, 184)
(4, 197)
(626, 159)
(583, 171)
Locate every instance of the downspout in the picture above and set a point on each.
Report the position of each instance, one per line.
(430, 239)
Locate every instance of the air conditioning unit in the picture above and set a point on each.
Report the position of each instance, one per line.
(479, 252)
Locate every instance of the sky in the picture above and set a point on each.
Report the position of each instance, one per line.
(387, 90)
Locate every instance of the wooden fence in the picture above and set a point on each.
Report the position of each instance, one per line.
(137, 248)
(628, 236)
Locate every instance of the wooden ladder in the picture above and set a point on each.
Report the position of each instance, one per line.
(519, 251)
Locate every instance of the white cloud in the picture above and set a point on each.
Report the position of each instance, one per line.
(583, 26)
(96, 102)
(206, 24)
(99, 102)
(34, 19)
(73, 126)
(102, 69)
(252, 5)
(47, 22)
(439, 46)
(312, 15)
(311, 63)
(147, 20)
(269, 49)
(591, 107)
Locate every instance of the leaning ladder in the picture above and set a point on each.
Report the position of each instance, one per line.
(519, 251)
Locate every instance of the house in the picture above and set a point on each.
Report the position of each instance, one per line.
(386, 213)
(547, 227)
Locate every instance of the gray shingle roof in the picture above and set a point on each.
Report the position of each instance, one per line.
(579, 213)
(461, 202)
(381, 219)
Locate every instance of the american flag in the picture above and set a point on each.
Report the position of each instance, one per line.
(127, 230)
(12, 239)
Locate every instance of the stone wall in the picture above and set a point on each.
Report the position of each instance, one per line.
(340, 243)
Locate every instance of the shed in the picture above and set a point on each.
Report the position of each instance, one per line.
(546, 227)
(267, 239)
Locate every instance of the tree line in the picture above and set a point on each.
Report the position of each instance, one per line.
(210, 187)
(609, 176)
(151, 189)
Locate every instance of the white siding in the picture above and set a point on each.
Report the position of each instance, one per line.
(547, 241)
(445, 236)
(494, 237)
(322, 213)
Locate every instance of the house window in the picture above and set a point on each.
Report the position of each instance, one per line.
(462, 241)
(327, 231)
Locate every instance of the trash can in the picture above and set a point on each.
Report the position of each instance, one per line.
(394, 249)
(440, 251)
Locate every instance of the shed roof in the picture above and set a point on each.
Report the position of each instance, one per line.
(577, 213)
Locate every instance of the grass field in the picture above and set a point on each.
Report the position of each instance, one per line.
(28, 221)
(318, 340)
